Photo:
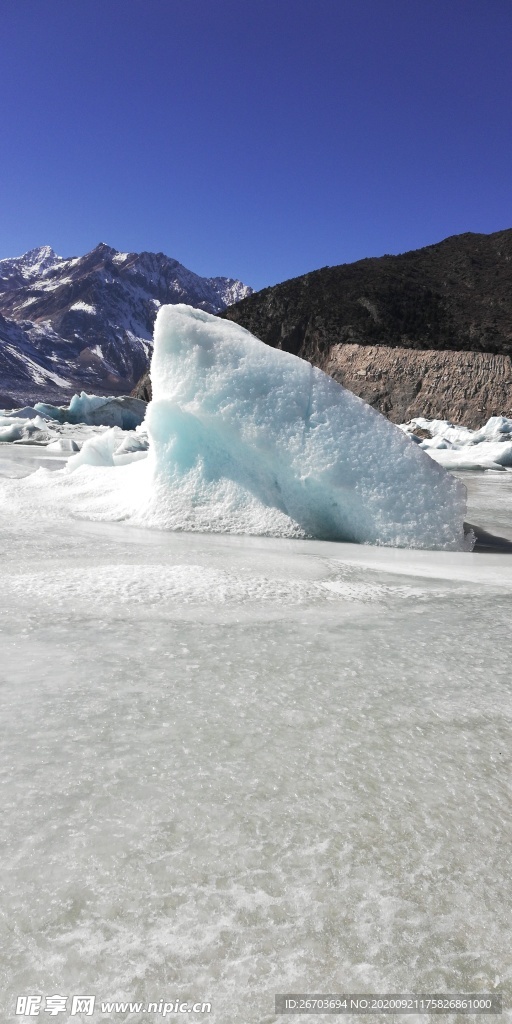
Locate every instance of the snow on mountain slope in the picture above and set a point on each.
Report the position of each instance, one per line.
(86, 323)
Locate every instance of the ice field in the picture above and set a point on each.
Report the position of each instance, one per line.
(234, 766)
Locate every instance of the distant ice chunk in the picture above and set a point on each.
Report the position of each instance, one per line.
(10, 431)
(437, 441)
(97, 410)
(444, 428)
(460, 448)
(112, 447)
(96, 451)
(26, 413)
(23, 430)
(250, 439)
(66, 445)
(486, 455)
(497, 428)
(133, 441)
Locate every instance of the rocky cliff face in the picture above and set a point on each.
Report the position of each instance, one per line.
(464, 387)
(428, 332)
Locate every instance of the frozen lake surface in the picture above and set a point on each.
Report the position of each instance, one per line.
(237, 766)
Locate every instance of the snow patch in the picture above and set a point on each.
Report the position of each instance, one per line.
(84, 307)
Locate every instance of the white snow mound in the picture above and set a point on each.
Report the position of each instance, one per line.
(248, 439)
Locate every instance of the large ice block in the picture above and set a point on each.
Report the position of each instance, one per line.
(249, 439)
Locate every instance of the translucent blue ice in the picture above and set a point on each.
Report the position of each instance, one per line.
(125, 412)
(246, 438)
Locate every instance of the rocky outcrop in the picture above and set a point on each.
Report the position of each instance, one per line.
(465, 387)
(143, 389)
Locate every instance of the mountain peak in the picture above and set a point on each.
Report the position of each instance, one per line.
(103, 247)
(86, 323)
(39, 256)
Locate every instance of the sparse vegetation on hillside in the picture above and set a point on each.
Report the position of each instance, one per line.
(455, 295)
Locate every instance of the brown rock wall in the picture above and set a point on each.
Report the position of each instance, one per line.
(465, 387)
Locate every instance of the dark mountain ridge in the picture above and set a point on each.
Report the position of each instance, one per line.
(366, 324)
(453, 295)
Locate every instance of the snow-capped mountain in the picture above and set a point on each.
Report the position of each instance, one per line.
(87, 322)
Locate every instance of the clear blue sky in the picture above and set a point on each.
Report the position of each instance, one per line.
(258, 139)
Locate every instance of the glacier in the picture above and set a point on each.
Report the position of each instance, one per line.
(249, 439)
